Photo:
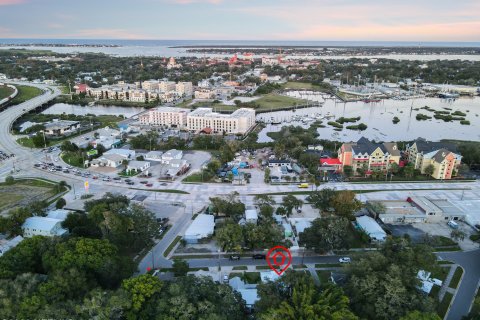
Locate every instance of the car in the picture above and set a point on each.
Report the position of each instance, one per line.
(128, 180)
(258, 256)
(234, 257)
(56, 159)
(163, 184)
(117, 178)
(130, 183)
(149, 184)
(143, 182)
(225, 278)
(94, 177)
(344, 260)
(106, 179)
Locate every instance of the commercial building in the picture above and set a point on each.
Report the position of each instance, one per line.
(184, 89)
(205, 94)
(202, 227)
(154, 156)
(239, 122)
(172, 154)
(59, 128)
(443, 157)
(165, 116)
(43, 226)
(108, 160)
(138, 166)
(368, 156)
(371, 228)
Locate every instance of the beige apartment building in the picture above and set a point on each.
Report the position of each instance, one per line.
(165, 116)
(184, 89)
(204, 94)
(239, 122)
(167, 86)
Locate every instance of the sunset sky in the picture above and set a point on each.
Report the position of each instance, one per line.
(382, 20)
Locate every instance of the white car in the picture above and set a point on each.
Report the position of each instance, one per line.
(344, 260)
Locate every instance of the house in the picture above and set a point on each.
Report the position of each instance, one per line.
(368, 156)
(371, 228)
(60, 214)
(43, 226)
(154, 156)
(138, 166)
(426, 282)
(301, 225)
(173, 154)
(175, 168)
(6, 245)
(442, 156)
(330, 164)
(108, 160)
(59, 128)
(251, 216)
(81, 88)
(266, 276)
(202, 227)
(247, 291)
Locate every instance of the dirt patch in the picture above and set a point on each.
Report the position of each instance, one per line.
(21, 195)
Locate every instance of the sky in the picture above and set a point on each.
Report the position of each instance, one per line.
(327, 20)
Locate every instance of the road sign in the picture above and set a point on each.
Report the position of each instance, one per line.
(86, 185)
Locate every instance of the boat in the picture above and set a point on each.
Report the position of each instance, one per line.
(371, 100)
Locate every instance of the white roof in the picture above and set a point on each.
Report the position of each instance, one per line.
(251, 214)
(301, 225)
(12, 243)
(268, 276)
(41, 223)
(173, 153)
(471, 208)
(137, 164)
(201, 227)
(122, 152)
(154, 154)
(249, 295)
(371, 227)
(423, 275)
(60, 214)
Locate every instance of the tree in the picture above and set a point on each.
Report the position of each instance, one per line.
(39, 140)
(376, 208)
(264, 199)
(266, 177)
(348, 171)
(68, 146)
(12, 223)
(290, 202)
(417, 315)
(279, 150)
(326, 234)
(345, 204)
(9, 180)
(141, 289)
(458, 235)
(60, 203)
(429, 170)
(409, 170)
(180, 267)
(321, 199)
(230, 237)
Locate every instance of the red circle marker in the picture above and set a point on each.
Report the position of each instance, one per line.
(279, 256)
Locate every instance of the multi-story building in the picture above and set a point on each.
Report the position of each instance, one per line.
(166, 86)
(184, 89)
(239, 122)
(369, 156)
(205, 94)
(165, 116)
(150, 85)
(442, 156)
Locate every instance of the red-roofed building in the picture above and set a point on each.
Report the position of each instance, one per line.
(81, 88)
(330, 164)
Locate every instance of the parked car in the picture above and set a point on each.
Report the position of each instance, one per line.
(234, 257)
(130, 183)
(149, 184)
(225, 278)
(344, 260)
(259, 256)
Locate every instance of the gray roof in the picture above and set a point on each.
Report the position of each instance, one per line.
(428, 146)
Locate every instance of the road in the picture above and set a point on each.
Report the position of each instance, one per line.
(470, 262)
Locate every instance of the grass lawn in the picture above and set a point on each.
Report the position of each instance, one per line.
(445, 262)
(5, 92)
(28, 142)
(443, 306)
(440, 273)
(456, 278)
(22, 192)
(197, 177)
(163, 190)
(434, 293)
(170, 247)
(235, 274)
(300, 85)
(323, 275)
(299, 266)
(240, 268)
(275, 101)
(263, 268)
(8, 199)
(328, 265)
(25, 93)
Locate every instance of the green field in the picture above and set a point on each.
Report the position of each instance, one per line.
(23, 192)
(5, 92)
(276, 101)
(456, 278)
(25, 93)
(300, 86)
(444, 304)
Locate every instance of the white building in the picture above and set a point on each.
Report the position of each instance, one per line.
(371, 228)
(251, 216)
(125, 153)
(43, 226)
(154, 156)
(172, 154)
(165, 116)
(247, 291)
(138, 166)
(239, 122)
(201, 227)
(166, 86)
(108, 160)
(6, 245)
(61, 127)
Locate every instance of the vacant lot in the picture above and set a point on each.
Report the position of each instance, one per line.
(25, 93)
(23, 192)
(300, 86)
(276, 101)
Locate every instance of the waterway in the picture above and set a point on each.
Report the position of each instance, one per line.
(378, 117)
(60, 108)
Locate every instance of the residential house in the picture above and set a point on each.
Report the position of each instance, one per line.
(43, 226)
(251, 216)
(371, 228)
(202, 227)
(138, 166)
(6, 245)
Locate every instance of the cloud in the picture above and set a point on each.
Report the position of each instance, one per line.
(10, 2)
(109, 34)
